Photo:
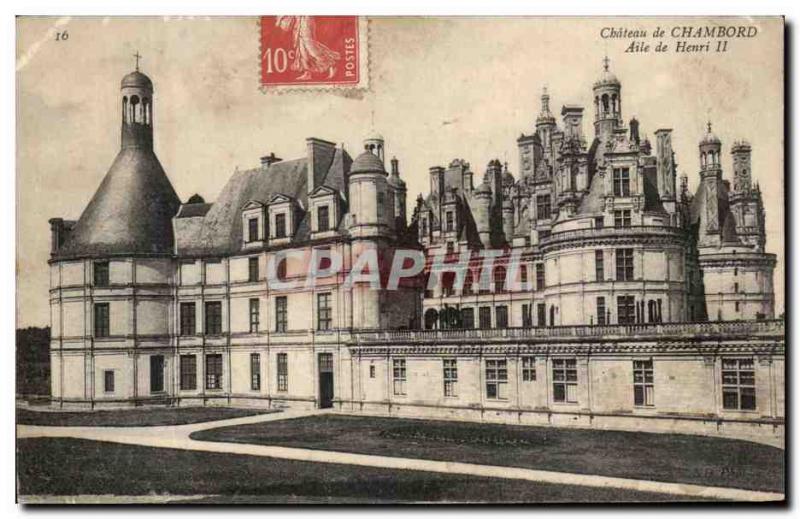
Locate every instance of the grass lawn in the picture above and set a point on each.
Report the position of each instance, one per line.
(133, 417)
(65, 466)
(658, 457)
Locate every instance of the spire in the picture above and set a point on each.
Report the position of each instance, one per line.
(138, 57)
(545, 116)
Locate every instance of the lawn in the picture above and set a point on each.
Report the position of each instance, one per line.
(65, 466)
(659, 457)
(133, 417)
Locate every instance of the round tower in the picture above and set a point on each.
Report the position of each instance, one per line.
(607, 103)
(374, 144)
(369, 192)
(710, 147)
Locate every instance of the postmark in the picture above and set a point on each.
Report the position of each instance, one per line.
(313, 52)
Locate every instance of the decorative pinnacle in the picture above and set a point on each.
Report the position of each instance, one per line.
(138, 57)
(708, 125)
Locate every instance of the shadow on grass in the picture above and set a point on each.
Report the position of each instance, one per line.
(65, 466)
(133, 417)
(658, 457)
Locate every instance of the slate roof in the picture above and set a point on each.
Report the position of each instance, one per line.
(725, 217)
(130, 213)
(219, 231)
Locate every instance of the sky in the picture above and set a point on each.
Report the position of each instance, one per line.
(440, 88)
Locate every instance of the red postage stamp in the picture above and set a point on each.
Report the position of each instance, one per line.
(313, 51)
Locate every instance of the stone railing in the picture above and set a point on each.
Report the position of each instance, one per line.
(709, 329)
(612, 232)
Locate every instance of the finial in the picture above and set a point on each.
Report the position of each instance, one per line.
(138, 57)
(708, 125)
(606, 61)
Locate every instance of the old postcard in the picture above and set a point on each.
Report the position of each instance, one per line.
(348, 259)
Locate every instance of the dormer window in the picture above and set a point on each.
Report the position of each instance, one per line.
(449, 221)
(280, 225)
(252, 229)
(323, 218)
(622, 182)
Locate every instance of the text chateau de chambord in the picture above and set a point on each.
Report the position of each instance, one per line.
(631, 302)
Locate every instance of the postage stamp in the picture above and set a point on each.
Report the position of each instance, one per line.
(312, 52)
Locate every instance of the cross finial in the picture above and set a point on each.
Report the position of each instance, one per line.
(708, 125)
(606, 61)
(138, 57)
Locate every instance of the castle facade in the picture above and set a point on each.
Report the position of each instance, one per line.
(590, 291)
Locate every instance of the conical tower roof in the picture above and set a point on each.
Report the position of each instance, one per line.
(131, 212)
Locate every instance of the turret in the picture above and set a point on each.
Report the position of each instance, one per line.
(399, 190)
(711, 176)
(136, 91)
(607, 103)
(742, 179)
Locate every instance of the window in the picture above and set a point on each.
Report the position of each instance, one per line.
(324, 312)
(467, 288)
(214, 371)
(626, 312)
(496, 378)
(280, 225)
(108, 381)
(467, 318)
(399, 376)
(736, 288)
(156, 373)
(624, 259)
(381, 202)
(527, 317)
(187, 319)
(540, 276)
(280, 270)
(738, 384)
(622, 218)
(372, 371)
(565, 380)
(213, 318)
(188, 372)
(622, 182)
(283, 372)
(499, 279)
(252, 270)
(737, 306)
(523, 275)
(450, 367)
(643, 383)
(323, 218)
(599, 266)
(598, 222)
(528, 369)
(543, 207)
(541, 314)
(101, 274)
(101, 319)
(281, 313)
(485, 317)
(501, 316)
(601, 310)
(451, 248)
(255, 371)
(252, 229)
(255, 307)
(450, 221)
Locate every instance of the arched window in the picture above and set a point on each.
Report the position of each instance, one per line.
(125, 108)
(467, 289)
(552, 315)
(281, 270)
(499, 279)
(146, 110)
(605, 104)
(448, 279)
(431, 319)
(614, 108)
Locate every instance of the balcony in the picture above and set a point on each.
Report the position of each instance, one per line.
(725, 329)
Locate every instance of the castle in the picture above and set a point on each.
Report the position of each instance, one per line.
(590, 291)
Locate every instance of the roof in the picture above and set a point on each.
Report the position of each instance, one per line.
(219, 232)
(131, 212)
(725, 216)
(193, 210)
(367, 163)
(136, 79)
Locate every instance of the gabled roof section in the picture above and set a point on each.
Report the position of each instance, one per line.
(322, 191)
(221, 229)
(280, 198)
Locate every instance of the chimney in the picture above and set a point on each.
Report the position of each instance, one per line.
(437, 179)
(59, 230)
(319, 154)
(395, 167)
(634, 126)
(268, 160)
